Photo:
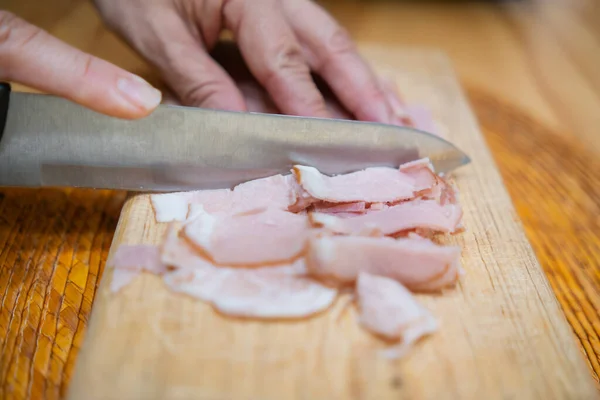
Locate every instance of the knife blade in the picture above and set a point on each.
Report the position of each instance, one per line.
(50, 141)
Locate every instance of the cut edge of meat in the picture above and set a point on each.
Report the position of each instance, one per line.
(403, 217)
(424, 162)
(357, 207)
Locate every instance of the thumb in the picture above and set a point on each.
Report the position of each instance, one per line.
(31, 56)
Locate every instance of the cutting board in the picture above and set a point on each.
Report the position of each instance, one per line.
(502, 333)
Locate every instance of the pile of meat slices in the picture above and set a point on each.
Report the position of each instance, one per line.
(285, 246)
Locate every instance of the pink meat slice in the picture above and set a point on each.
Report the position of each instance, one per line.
(388, 309)
(372, 185)
(410, 215)
(261, 236)
(274, 192)
(169, 207)
(334, 208)
(280, 291)
(417, 263)
(432, 186)
(129, 261)
(427, 182)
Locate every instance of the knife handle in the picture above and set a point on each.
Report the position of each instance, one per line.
(4, 97)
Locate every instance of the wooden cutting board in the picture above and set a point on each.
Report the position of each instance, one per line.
(502, 333)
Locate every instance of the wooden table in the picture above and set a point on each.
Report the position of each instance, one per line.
(531, 70)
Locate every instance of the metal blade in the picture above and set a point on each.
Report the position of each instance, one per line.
(49, 141)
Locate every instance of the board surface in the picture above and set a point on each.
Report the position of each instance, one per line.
(502, 334)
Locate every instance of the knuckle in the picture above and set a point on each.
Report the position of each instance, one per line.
(288, 60)
(87, 63)
(315, 103)
(14, 35)
(200, 93)
(8, 21)
(14, 32)
(340, 42)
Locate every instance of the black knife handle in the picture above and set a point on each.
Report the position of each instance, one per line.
(4, 97)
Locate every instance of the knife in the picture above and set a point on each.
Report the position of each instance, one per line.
(48, 141)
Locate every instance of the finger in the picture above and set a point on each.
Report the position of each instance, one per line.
(332, 54)
(274, 56)
(30, 56)
(178, 52)
(399, 113)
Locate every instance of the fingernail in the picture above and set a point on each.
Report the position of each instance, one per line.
(139, 92)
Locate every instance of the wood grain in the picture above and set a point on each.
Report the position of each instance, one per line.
(568, 257)
(53, 247)
(538, 56)
(555, 185)
(503, 334)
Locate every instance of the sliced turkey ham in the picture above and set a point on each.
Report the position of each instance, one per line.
(282, 246)
(427, 214)
(378, 185)
(418, 264)
(279, 291)
(271, 192)
(388, 309)
(170, 207)
(371, 185)
(261, 236)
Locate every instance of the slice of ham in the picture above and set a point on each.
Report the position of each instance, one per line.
(280, 291)
(410, 215)
(419, 264)
(170, 207)
(371, 185)
(274, 292)
(388, 309)
(266, 248)
(262, 236)
(130, 260)
(272, 192)
(430, 185)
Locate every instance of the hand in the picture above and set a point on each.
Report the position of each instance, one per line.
(281, 41)
(31, 56)
(228, 56)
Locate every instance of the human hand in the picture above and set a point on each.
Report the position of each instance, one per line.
(256, 98)
(31, 56)
(281, 42)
